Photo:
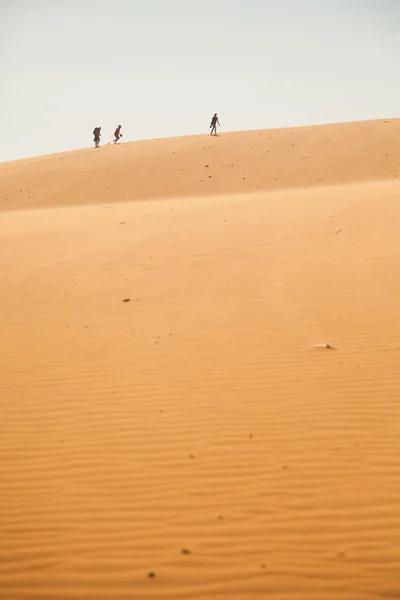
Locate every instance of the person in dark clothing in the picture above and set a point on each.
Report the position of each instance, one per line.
(97, 134)
(213, 125)
(117, 134)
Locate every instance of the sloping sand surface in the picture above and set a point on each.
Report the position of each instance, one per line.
(233, 163)
(202, 431)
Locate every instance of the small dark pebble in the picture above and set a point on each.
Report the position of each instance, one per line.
(185, 551)
(151, 575)
(126, 300)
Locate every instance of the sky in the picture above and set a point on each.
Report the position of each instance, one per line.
(161, 68)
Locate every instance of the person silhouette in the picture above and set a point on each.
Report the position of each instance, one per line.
(117, 134)
(97, 134)
(213, 124)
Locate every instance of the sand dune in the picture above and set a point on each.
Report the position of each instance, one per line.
(234, 163)
(202, 431)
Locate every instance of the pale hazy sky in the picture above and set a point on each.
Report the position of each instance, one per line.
(162, 67)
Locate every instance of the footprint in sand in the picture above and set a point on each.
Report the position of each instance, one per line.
(325, 347)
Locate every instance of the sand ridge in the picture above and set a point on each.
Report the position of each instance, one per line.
(233, 163)
(201, 431)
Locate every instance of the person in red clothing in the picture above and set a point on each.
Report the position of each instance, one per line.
(117, 134)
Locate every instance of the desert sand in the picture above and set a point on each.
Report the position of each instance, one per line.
(200, 368)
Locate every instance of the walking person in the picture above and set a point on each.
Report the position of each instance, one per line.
(97, 134)
(117, 134)
(213, 124)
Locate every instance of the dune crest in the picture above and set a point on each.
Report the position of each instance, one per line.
(233, 163)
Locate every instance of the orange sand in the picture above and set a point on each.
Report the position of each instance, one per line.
(205, 413)
(238, 163)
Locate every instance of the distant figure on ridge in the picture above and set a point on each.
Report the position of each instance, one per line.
(214, 123)
(117, 134)
(97, 134)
